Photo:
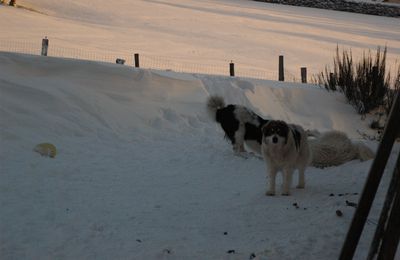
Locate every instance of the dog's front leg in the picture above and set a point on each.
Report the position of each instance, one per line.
(272, 177)
(287, 181)
(239, 151)
(239, 139)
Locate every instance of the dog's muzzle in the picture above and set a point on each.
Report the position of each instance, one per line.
(274, 139)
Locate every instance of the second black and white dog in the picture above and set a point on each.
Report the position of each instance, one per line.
(285, 148)
(240, 124)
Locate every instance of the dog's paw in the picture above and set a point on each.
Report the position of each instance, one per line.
(300, 186)
(270, 193)
(243, 155)
(285, 193)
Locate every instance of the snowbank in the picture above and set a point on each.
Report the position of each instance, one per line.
(141, 171)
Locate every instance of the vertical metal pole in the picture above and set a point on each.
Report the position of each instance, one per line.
(392, 235)
(45, 46)
(383, 219)
(371, 186)
(281, 69)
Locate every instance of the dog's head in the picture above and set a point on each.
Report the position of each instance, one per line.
(275, 132)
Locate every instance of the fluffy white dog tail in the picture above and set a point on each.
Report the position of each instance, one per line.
(335, 148)
(364, 152)
(213, 104)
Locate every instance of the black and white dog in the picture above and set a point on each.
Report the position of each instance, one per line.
(240, 124)
(285, 148)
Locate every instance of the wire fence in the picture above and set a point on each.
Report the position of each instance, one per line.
(147, 61)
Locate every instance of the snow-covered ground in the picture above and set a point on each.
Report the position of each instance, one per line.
(141, 171)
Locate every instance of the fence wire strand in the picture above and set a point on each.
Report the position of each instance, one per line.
(215, 67)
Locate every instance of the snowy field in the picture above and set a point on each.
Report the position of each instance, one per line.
(141, 171)
(205, 35)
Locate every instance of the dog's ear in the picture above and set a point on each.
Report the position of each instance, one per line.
(296, 136)
(265, 127)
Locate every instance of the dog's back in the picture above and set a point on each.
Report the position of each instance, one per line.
(239, 123)
(302, 147)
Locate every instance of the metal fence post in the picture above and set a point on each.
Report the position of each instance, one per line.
(45, 46)
(281, 69)
(232, 69)
(303, 71)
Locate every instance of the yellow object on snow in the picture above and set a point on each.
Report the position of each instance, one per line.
(46, 149)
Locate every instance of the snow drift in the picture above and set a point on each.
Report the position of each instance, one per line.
(142, 172)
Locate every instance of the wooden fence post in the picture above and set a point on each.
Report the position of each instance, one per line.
(332, 81)
(232, 69)
(45, 46)
(136, 60)
(331, 76)
(375, 79)
(303, 74)
(281, 69)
